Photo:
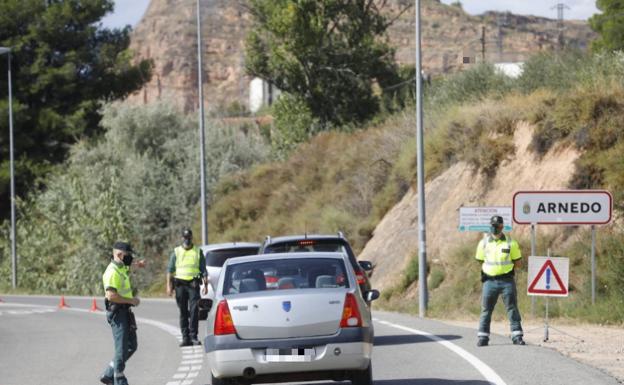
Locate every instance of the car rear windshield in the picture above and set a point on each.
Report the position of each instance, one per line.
(307, 245)
(217, 258)
(282, 274)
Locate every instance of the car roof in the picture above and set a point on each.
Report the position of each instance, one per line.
(229, 246)
(291, 238)
(270, 257)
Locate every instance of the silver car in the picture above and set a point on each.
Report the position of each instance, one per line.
(312, 324)
(216, 254)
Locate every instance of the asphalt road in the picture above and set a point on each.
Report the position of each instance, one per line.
(44, 345)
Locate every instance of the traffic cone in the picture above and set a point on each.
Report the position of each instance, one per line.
(94, 306)
(62, 304)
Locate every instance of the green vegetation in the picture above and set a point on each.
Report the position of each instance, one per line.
(139, 183)
(326, 55)
(609, 24)
(459, 293)
(349, 181)
(64, 67)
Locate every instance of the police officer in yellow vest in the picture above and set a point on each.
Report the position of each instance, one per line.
(186, 270)
(499, 255)
(119, 298)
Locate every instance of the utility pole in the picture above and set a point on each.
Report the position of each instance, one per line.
(482, 43)
(7, 51)
(202, 158)
(422, 243)
(561, 7)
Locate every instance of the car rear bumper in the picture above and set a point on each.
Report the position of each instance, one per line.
(325, 363)
(229, 356)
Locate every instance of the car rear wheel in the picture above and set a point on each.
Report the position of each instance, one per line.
(363, 377)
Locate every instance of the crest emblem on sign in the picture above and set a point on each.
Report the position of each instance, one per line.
(286, 305)
(526, 208)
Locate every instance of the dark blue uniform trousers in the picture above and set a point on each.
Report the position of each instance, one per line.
(125, 339)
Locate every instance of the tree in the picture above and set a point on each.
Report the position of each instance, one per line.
(325, 53)
(65, 66)
(609, 24)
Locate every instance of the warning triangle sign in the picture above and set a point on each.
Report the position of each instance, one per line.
(548, 285)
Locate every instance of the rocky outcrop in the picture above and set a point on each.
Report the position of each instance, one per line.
(167, 35)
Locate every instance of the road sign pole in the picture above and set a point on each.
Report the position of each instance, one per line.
(593, 264)
(546, 317)
(533, 253)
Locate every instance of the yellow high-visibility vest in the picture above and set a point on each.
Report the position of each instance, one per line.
(117, 277)
(498, 255)
(187, 263)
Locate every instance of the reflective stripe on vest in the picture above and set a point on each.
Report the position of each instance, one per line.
(496, 262)
(126, 288)
(187, 263)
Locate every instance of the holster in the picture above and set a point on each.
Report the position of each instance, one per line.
(131, 320)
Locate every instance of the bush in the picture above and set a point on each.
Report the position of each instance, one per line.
(294, 124)
(436, 278)
(139, 183)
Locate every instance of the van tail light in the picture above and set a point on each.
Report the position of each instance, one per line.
(360, 278)
(351, 313)
(223, 320)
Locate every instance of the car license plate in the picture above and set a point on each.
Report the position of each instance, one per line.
(290, 355)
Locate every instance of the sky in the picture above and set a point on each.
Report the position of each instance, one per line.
(579, 9)
(129, 12)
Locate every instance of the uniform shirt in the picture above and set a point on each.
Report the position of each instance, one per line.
(202, 264)
(116, 277)
(497, 255)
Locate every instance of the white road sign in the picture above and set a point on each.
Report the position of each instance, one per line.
(568, 207)
(478, 218)
(548, 276)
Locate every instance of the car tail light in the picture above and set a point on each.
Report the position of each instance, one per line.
(271, 279)
(361, 279)
(350, 313)
(223, 321)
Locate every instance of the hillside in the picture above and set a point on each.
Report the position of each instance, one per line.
(167, 34)
(395, 239)
(531, 133)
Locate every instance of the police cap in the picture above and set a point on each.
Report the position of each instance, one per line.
(496, 220)
(187, 233)
(123, 246)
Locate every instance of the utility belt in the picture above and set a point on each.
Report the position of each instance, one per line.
(117, 307)
(194, 283)
(503, 277)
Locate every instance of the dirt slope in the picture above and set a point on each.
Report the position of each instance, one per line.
(395, 240)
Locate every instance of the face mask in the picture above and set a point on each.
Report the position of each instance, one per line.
(496, 230)
(127, 259)
(186, 243)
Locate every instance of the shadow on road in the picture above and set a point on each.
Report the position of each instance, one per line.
(430, 381)
(409, 339)
(413, 381)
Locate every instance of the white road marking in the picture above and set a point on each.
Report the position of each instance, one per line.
(30, 310)
(488, 373)
(189, 373)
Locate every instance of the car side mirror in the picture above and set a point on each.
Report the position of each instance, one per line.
(366, 265)
(372, 295)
